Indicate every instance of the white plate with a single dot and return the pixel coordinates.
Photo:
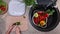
(16, 8)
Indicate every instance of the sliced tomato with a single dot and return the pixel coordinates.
(41, 18)
(46, 15)
(36, 20)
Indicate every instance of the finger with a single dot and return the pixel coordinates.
(10, 29)
(17, 30)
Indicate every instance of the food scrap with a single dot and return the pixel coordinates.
(24, 16)
(17, 23)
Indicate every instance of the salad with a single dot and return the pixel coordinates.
(40, 18)
(3, 7)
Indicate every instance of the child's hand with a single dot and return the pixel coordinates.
(18, 31)
(10, 29)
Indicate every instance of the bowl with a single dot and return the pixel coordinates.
(3, 7)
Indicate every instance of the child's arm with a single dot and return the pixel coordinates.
(18, 31)
(10, 29)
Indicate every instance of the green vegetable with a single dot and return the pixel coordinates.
(29, 2)
(0, 0)
(34, 5)
(50, 12)
(1, 11)
(2, 3)
(17, 23)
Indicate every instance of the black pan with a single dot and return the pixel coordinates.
(53, 20)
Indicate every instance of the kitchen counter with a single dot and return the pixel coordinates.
(29, 28)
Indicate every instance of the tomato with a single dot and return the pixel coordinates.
(46, 15)
(3, 8)
(40, 13)
(36, 20)
(41, 17)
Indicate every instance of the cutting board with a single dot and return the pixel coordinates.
(12, 19)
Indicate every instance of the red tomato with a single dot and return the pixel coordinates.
(40, 13)
(36, 20)
(46, 15)
(42, 18)
(3, 8)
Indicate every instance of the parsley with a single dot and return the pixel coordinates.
(29, 2)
